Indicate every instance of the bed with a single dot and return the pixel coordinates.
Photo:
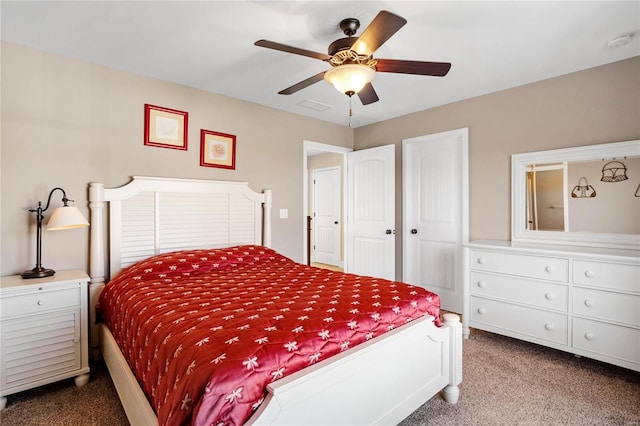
(370, 378)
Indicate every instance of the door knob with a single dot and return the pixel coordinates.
(388, 232)
(335, 223)
(414, 231)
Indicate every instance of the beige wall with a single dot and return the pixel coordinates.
(594, 106)
(67, 123)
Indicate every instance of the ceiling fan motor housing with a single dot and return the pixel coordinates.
(344, 43)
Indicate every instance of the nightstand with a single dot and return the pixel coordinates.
(43, 331)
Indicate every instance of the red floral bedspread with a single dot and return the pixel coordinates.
(206, 330)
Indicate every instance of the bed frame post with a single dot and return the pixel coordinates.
(266, 238)
(96, 261)
(451, 392)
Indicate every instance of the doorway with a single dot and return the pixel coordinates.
(547, 198)
(317, 156)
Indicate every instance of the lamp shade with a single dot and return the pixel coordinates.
(66, 217)
(349, 78)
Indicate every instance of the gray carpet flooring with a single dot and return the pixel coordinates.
(505, 382)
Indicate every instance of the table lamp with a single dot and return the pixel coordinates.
(65, 217)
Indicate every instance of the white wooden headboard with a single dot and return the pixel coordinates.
(152, 215)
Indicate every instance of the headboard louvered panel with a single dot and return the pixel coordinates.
(193, 220)
(137, 228)
(242, 215)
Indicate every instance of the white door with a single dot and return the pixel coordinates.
(435, 175)
(327, 206)
(370, 245)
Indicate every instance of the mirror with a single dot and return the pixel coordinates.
(588, 196)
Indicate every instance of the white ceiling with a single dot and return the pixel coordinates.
(209, 45)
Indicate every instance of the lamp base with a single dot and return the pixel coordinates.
(37, 273)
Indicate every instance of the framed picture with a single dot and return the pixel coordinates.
(164, 127)
(217, 149)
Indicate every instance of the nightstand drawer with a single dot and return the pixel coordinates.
(40, 301)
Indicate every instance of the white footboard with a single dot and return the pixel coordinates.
(381, 383)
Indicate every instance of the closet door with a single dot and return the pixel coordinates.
(435, 210)
(371, 212)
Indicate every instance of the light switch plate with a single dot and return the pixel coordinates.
(284, 213)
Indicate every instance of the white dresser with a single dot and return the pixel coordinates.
(43, 331)
(577, 299)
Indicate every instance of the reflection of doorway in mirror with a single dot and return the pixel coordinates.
(547, 198)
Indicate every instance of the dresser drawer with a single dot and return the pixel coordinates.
(550, 326)
(613, 276)
(537, 293)
(606, 305)
(40, 301)
(619, 342)
(539, 267)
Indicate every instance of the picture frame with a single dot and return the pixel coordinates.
(165, 127)
(217, 149)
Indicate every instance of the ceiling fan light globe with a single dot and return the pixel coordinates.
(349, 77)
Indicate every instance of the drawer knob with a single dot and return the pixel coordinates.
(589, 303)
(589, 336)
(589, 273)
(482, 284)
(482, 311)
(482, 260)
(550, 268)
(549, 296)
(40, 302)
(549, 326)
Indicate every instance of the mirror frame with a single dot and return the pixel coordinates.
(519, 163)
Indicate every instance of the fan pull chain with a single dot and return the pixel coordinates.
(350, 94)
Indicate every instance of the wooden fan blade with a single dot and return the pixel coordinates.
(304, 83)
(289, 49)
(383, 26)
(437, 69)
(368, 95)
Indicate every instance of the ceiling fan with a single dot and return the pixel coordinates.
(352, 62)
